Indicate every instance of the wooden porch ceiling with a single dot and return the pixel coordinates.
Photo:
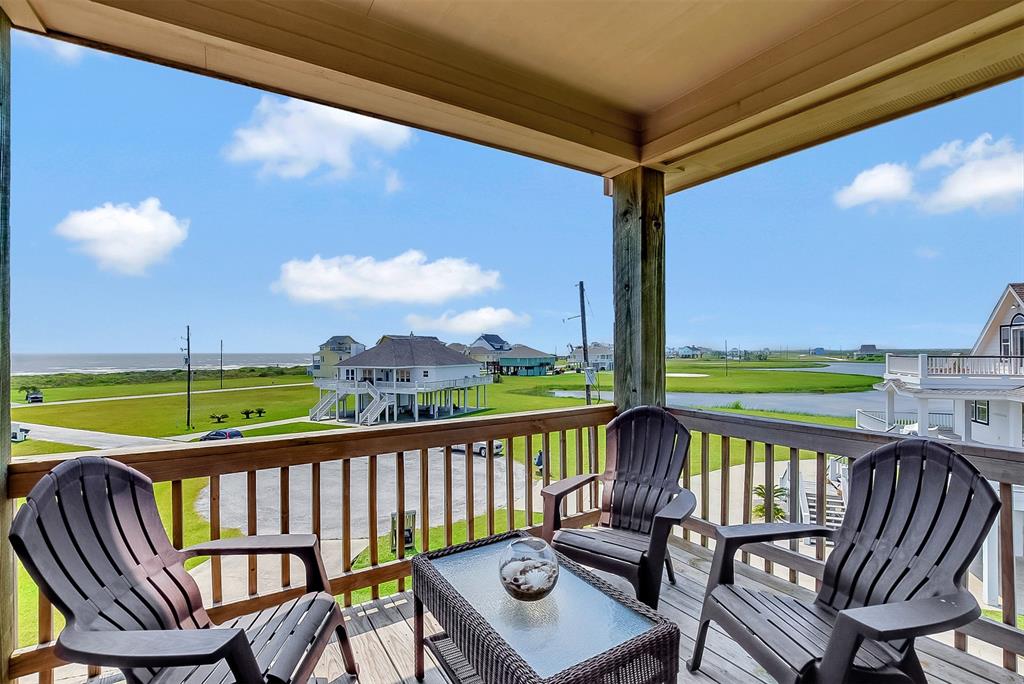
(695, 88)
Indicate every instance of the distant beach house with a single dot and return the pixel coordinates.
(689, 352)
(403, 375)
(523, 360)
(818, 351)
(986, 389)
(491, 341)
(866, 350)
(487, 349)
(332, 352)
(601, 357)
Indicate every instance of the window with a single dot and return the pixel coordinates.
(350, 373)
(979, 412)
(1004, 340)
(403, 375)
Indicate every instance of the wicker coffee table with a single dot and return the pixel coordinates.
(585, 632)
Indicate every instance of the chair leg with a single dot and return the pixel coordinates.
(911, 666)
(346, 650)
(693, 664)
(669, 569)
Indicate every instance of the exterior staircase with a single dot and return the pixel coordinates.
(325, 408)
(378, 403)
(835, 509)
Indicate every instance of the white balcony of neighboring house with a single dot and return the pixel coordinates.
(928, 371)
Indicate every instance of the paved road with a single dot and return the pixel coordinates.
(234, 506)
(243, 426)
(89, 438)
(164, 394)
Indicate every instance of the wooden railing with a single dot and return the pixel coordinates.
(743, 440)
(457, 495)
(430, 467)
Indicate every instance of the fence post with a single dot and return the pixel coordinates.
(8, 615)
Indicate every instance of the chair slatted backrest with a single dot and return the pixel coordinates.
(916, 516)
(644, 457)
(90, 536)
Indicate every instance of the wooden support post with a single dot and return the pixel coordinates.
(638, 265)
(8, 609)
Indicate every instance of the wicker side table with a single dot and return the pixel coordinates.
(585, 632)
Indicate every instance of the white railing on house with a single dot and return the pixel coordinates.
(351, 386)
(875, 420)
(955, 366)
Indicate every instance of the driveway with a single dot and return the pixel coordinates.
(89, 438)
(233, 494)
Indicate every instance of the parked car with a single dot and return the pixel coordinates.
(480, 448)
(216, 435)
(34, 397)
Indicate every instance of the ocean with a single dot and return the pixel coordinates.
(40, 364)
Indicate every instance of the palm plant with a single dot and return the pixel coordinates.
(779, 494)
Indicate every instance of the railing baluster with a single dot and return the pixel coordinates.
(705, 483)
(424, 499)
(371, 510)
(794, 503)
(579, 468)
(545, 441)
(45, 632)
(449, 495)
(769, 493)
(284, 478)
(820, 508)
(510, 485)
(563, 464)
(593, 447)
(400, 505)
(251, 528)
(748, 488)
(346, 522)
(314, 487)
(489, 452)
(177, 507)
(528, 495)
(687, 475)
(725, 447)
(216, 576)
(1006, 567)
(470, 496)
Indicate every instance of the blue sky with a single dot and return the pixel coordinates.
(146, 198)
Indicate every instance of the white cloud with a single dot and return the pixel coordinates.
(469, 322)
(69, 53)
(392, 182)
(124, 238)
(294, 138)
(988, 177)
(954, 153)
(927, 253)
(408, 278)
(882, 183)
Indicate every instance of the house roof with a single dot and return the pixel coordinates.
(459, 347)
(521, 351)
(1018, 289)
(404, 351)
(339, 339)
(715, 86)
(494, 341)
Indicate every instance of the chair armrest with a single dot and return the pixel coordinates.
(892, 621)
(553, 495)
(306, 547)
(675, 512)
(729, 538)
(161, 648)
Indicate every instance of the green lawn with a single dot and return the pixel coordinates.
(165, 416)
(131, 389)
(37, 447)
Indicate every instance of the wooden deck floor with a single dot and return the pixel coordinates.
(382, 637)
(382, 634)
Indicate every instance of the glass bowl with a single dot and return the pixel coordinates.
(528, 569)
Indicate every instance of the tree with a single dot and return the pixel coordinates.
(218, 417)
(778, 494)
(248, 413)
(260, 412)
(28, 389)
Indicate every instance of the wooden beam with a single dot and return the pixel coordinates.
(8, 608)
(638, 266)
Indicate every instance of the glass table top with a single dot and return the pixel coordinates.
(573, 623)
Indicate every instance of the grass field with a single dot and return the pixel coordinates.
(38, 447)
(165, 416)
(100, 391)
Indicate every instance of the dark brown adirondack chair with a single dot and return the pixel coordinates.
(641, 500)
(917, 515)
(90, 536)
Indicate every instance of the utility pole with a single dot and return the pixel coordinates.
(188, 376)
(586, 349)
(726, 357)
(222, 364)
